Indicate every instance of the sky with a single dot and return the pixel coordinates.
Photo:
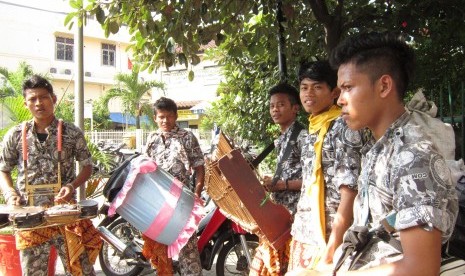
(52, 5)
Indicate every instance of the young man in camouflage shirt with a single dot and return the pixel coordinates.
(403, 178)
(177, 151)
(42, 167)
(403, 172)
(330, 168)
(285, 189)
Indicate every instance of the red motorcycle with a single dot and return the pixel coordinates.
(234, 246)
(218, 236)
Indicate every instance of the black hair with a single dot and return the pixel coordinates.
(36, 81)
(319, 70)
(377, 54)
(165, 104)
(285, 88)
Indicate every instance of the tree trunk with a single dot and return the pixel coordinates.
(137, 121)
(332, 22)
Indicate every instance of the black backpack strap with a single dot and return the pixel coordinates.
(262, 155)
(359, 238)
(287, 151)
(355, 240)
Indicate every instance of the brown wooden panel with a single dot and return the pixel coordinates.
(273, 219)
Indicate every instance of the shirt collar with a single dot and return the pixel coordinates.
(168, 133)
(53, 125)
(290, 128)
(393, 132)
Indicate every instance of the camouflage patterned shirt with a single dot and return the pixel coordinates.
(42, 161)
(404, 173)
(341, 165)
(177, 152)
(291, 168)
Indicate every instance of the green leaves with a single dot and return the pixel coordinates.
(75, 4)
(100, 15)
(131, 91)
(113, 27)
(166, 32)
(195, 59)
(190, 75)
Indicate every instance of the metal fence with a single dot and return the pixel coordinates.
(451, 109)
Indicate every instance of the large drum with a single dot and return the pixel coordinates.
(157, 204)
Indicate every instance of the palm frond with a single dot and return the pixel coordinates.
(18, 112)
(131, 90)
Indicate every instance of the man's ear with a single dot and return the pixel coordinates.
(54, 99)
(335, 93)
(296, 108)
(385, 86)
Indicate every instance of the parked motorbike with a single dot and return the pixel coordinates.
(218, 236)
(114, 153)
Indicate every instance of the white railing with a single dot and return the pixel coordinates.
(135, 139)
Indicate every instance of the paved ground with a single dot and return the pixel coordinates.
(60, 271)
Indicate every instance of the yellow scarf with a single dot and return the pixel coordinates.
(320, 124)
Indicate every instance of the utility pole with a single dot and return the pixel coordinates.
(281, 42)
(79, 88)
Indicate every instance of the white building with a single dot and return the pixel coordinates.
(34, 31)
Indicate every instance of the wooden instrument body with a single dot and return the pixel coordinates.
(273, 221)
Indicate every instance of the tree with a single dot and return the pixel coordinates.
(131, 90)
(101, 114)
(168, 32)
(12, 99)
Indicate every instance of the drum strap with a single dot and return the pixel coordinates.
(287, 151)
(25, 151)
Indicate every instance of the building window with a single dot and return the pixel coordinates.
(64, 48)
(108, 54)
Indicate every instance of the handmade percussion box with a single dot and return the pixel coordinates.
(235, 188)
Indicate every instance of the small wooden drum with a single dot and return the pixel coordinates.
(24, 216)
(62, 214)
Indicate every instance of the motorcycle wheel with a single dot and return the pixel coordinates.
(111, 261)
(231, 259)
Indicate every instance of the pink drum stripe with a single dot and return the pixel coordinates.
(165, 213)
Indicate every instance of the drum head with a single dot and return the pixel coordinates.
(9, 209)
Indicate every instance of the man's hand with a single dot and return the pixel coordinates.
(65, 195)
(268, 184)
(14, 200)
(200, 178)
(6, 185)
